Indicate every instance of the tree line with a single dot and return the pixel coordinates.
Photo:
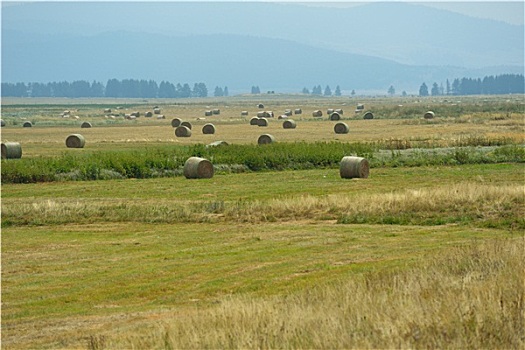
(489, 85)
(113, 88)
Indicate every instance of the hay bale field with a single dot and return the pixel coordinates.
(11, 150)
(368, 115)
(341, 128)
(262, 122)
(354, 167)
(175, 122)
(265, 139)
(182, 131)
(208, 129)
(289, 124)
(75, 141)
(186, 124)
(335, 116)
(198, 168)
(429, 115)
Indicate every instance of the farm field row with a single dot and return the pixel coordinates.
(422, 256)
(37, 141)
(86, 262)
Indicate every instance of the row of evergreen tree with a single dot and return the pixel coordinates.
(113, 88)
(489, 85)
(317, 90)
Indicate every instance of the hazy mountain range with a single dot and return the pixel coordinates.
(281, 47)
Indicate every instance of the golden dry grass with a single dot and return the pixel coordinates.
(48, 134)
(256, 260)
(468, 298)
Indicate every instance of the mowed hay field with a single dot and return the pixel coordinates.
(426, 256)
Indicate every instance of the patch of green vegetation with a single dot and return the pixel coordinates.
(168, 161)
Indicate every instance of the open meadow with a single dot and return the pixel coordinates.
(109, 246)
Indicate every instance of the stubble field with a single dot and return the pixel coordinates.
(427, 255)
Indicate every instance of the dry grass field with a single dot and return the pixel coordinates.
(411, 257)
(397, 120)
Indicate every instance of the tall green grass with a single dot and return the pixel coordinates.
(169, 160)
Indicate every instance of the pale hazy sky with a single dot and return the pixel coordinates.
(512, 12)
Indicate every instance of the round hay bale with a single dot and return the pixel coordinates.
(2, 123)
(217, 144)
(198, 168)
(208, 113)
(260, 105)
(429, 115)
(107, 110)
(182, 131)
(298, 111)
(175, 122)
(148, 114)
(368, 115)
(244, 113)
(341, 128)
(161, 116)
(335, 116)
(289, 124)
(360, 107)
(354, 167)
(216, 111)
(339, 110)
(11, 150)
(186, 124)
(27, 124)
(254, 121)
(136, 114)
(329, 111)
(66, 112)
(265, 139)
(262, 122)
(208, 129)
(75, 141)
(282, 116)
(317, 113)
(288, 112)
(156, 110)
(85, 125)
(262, 114)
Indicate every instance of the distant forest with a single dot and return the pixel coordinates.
(491, 85)
(131, 88)
(113, 88)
